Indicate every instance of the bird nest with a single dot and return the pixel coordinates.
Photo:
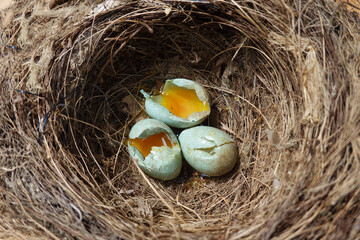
(283, 78)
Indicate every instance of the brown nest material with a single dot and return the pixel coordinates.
(284, 81)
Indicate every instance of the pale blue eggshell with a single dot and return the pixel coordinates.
(208, 150)
(163, 163)
(159, 112)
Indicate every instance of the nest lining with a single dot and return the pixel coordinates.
(110, 94)
(268, 92)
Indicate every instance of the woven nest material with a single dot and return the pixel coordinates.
(284, 80)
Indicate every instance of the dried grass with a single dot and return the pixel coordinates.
(283, 78)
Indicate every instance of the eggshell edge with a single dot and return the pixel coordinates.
(148, 127)
(191, 145)
(161, 113)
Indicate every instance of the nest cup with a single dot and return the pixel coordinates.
(131, 48)
(268, 92)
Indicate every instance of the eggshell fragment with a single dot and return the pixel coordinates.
(161, 113)
(208, 150)
(163, 162)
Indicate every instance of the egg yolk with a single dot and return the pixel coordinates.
(181, 102)
(144, 145)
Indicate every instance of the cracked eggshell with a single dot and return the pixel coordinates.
(161, 113)
(208, 150)
(163, 162)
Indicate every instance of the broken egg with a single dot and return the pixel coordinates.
(208, 150)
(155, 147)
(182, 103)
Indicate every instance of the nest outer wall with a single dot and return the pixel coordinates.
(283, 78)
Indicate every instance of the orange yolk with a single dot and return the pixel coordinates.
(144, 145)
(180, 101)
